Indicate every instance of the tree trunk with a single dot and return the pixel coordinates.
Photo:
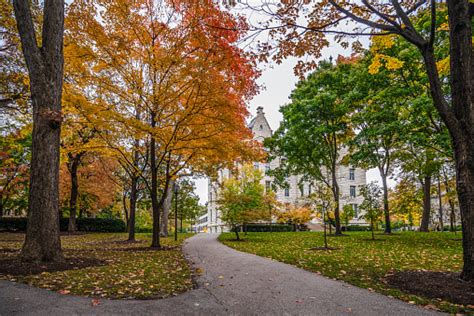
(462, 80)
(1, 206)
(133, 207)
(425, 219)
(45, 69)
(335, 190)
(440, 201)
(167, 208)
(386, 211)
(73, 165)
(155, 243)
(134, 185)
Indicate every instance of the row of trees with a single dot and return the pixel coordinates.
(301, 29)
(125, 98)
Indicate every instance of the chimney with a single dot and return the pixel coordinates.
(260, 110)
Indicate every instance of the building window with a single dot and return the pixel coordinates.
(352, 192)
(301, 186)
(351, 174)
(268, 186)
(287, 191)
(355, 207)
(261, 127)
(309, 189)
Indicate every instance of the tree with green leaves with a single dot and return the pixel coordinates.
(243, 199)
(372, 212)
(314, 129)
(377, 119)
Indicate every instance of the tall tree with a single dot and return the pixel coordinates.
(314, 129)
(44, 61)
(378, 122)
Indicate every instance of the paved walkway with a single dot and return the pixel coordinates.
(232, 282)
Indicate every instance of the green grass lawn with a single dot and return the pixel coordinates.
(361, 261)
(127, 270)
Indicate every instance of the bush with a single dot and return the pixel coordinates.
(447, 228)
(13, 224)
(104, 225)
(268, 228)
(356, 228)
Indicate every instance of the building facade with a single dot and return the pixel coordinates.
(349, 179)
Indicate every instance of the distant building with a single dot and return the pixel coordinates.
(349, 178)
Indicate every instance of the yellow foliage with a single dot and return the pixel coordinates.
(443, 66)
(295, 215)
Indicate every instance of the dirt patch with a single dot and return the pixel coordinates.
(444, 285)
(14, 266)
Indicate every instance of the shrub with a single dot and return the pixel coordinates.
(104, 225)
(357, 228)
(13, 224)
(268, 228)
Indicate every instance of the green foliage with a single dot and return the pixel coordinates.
(243, 199)
(370, 207)
(315, 125)
(361, 261)
(15, 155)
(347, 214)
(188, 202)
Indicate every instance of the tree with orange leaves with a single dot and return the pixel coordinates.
(164, 73)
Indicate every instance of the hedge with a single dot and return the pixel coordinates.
(356, 228)
(269, 228)
(104, 225)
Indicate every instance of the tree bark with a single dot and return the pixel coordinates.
(73, 165)
(155, 243)
(462, 92)
(386, 211)
(335, 190)
(166, 209)
(45, 69)
(440, 201)
(425, 219)
(133, 207)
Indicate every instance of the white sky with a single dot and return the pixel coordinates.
(279, 81)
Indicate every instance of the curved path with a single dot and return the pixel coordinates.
(231, 282)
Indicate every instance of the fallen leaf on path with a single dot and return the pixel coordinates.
(95, 302)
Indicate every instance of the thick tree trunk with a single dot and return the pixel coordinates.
(45, 68)
(462, 91)
(425, 219)
(386, 211)
(166, 209)
(73, 165)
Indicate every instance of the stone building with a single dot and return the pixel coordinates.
(349, 179)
